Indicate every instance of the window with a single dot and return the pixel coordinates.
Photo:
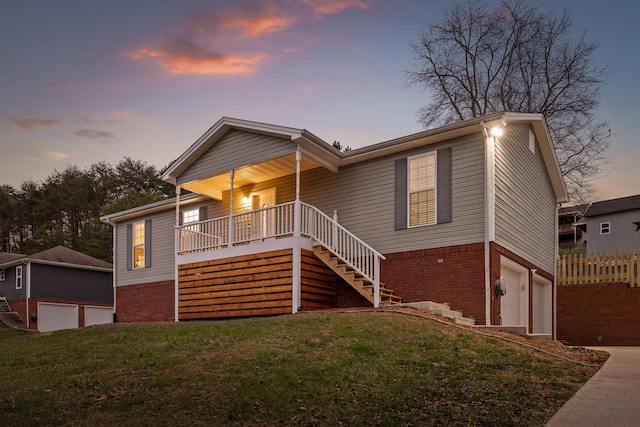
(138, 245)
(191, 216)
(605, 227)
(19, 277)
(422, 189)
(2, 275)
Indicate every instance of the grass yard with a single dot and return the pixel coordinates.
(351, 369)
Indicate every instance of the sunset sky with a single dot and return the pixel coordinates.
(83, 81)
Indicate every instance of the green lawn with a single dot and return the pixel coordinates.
(334, 369)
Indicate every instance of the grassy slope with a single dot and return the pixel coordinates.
(308, 369)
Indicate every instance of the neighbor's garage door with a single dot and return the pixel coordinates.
(53, 317)
(97, 315)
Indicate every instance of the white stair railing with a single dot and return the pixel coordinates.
(343, 244)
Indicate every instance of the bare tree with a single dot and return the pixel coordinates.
(516, 58)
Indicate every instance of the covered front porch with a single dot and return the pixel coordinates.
(264, 255)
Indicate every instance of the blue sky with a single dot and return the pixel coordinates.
(86, 81)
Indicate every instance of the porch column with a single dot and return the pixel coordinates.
(296, 207)
(230, 238)
(296, 273)
(176, 283)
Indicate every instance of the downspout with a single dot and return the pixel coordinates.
(176, 245)
(489, 220)
(27, 283)
(114, 271)
(554, 308)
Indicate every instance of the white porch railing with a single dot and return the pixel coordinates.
(280, 221)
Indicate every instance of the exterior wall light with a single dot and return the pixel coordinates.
(496, 131)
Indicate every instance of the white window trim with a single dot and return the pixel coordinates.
(19, 277)
(435, 189)
(133, 245)
(606, 225)
(2, 275)
(190, 214)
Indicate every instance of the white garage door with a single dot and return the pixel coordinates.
(541, 305)
(513, 305)
(53, 317)
(97, 315)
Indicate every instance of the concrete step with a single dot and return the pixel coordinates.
(441, 309)
(12, 320)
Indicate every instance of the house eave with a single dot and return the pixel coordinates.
(151, 208)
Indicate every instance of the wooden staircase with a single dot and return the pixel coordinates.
(8, 317)
(361, 284)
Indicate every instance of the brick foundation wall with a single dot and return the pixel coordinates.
(453, 274)
(347, 297)
(599, 314)
(147, 302)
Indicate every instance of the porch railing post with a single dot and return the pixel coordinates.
(297, 216)
(376, 282)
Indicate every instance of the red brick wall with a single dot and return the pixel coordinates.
(147, 302)
(349, 297)
(453, 274)
(600, 314)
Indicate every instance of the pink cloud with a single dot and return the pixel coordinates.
(330, 7)
(29, 124)
(96, 136)
(181, 56)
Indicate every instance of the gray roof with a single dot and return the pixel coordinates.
(613, 206)
(8, 257)
(58, 254)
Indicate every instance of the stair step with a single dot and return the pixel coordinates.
(441, 309)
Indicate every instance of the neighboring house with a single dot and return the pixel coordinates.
(614, 225)
(58, 288)
(278, 221)
(572, 227)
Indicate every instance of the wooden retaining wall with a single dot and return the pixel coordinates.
(248, 285)
(319, 283)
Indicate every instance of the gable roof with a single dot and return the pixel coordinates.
(58, 255)
(332, 158)
(613, 206)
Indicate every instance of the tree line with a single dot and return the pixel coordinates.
(65, 208)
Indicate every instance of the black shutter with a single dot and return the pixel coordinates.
(401, 194)
(129, 246)
(147, 243)
(202, 215)
(444, 185)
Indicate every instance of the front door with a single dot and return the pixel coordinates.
(264, 217)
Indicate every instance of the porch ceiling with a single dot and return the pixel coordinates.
(214, 186)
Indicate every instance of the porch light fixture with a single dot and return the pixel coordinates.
(246, 201)
(497, 131)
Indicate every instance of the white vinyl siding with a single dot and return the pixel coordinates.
(525, 202)
(422, 189)
(235, 149)
(161, 242)
(364, 196)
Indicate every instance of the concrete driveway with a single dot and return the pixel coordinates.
(610, 398)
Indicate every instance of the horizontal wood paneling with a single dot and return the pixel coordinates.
(319, 283)
(250, 285)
